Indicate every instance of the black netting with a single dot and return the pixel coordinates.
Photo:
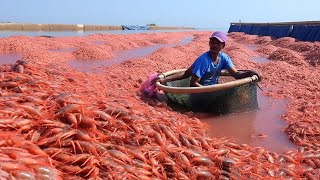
(238, 99)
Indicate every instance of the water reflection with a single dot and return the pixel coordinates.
(71, 49)
(9, 58)
(262, 127)
(98, 42)
(96, 66)
(259, 59)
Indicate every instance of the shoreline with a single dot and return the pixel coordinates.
(74, 27)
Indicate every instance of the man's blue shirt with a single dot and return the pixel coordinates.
(207, 70)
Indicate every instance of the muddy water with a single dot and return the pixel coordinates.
(262, 127)
(71, 49)
(9, 58)
(95, 66)
(98, 42)
(259, 59)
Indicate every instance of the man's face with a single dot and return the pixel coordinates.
(215, 45)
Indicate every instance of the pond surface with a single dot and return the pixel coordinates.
(262, 127)
(9, 58)
(96, 66)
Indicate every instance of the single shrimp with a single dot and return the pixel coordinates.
(103, 115)
(119, 155)
(158, 139)
(170, 134)
(31, 110)
(184, 140)
(87, 146)
(73, 120)
(70, 108)
(201, 161)
(21, 174)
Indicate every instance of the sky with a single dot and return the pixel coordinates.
(189, 13)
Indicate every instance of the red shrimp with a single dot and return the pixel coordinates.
(69, 168)
(31, 110)
(287, 172)
(316, 162)
(119, 155)
(34, 149)
(182, 176)
(20, 174)
(93, 172)
(141, 164)
(289, 159)
(204, 143)
(103, 115)
(70, 108)
(269, 157)
(193, 141)
(82, 158)
(218, 152)
(83, 136)
(201, 161)
(86, 120)
(158, 139)
(184, 140)
(170, 134)
(191, 153)
(73, 120)
(33, 160)
(310, 163)
(11, 165)
(203, 174)
(35, 136)
(183, 161)
(135, 152)
(9, 84)
(87, 146)
(63, 157)
(310, 176)
(4, 174)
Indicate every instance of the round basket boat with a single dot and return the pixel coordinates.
(231, 96)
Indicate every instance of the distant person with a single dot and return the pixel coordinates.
(206, 69)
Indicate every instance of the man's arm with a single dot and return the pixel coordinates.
(194, 82)
(242, 73)
(177, 76)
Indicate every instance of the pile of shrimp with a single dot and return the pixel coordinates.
(57, 123)
(69, 136)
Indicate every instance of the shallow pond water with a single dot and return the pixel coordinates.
(9, 58)
(262, 127)
(96, 66)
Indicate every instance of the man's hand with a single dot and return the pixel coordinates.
(255, 73)
(244, 73)
(158, 79)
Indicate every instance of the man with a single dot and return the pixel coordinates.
(207, 67)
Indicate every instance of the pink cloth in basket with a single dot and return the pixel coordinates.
(147, 87)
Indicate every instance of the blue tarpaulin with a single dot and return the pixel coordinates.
(279, 31)
(245, 28)
(263, 31)
(234, 28)
(134, 27)
(313, 34)
(255, 29)
(301, 32)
